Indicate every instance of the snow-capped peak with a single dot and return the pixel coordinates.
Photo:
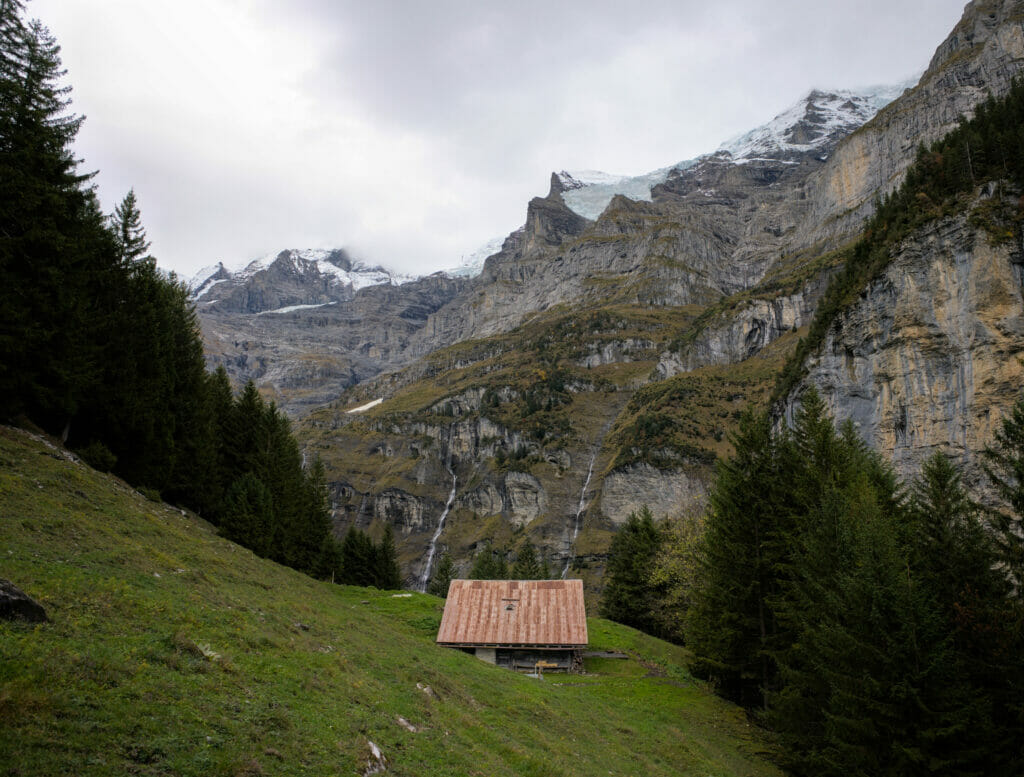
(819, 119)
(333, 264)
(206, 278)
(816, 121)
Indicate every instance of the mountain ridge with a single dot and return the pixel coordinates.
(631, 341)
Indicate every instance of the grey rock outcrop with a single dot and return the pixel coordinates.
(664, 492)
(930, 357)
(742, 332)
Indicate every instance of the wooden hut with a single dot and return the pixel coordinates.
(521, 624)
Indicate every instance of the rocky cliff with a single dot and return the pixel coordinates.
(981, 56)
(305, 325)
(601, 358)
(930, 357)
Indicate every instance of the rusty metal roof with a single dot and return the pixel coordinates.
(514, 612)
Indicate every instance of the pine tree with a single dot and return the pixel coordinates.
(956, 561)
(526, 566)
(219, 408)
(387, 574)
(1004, 465)
(317, 535)
(357, 558)
(489, 564)
(56, 273)
(249, 514)
(328, 564)
(443, 576)
(628, 596)
(733, 626)
(129, 235)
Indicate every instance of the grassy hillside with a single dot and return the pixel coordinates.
(172, 651)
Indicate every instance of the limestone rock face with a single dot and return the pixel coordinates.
(524, 498)
(664, 492)
(980, 56)
(930, 357)
(402, 510)
(745, 331)
(549, 222)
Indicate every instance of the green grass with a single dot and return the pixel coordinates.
(690, 417)
(173, 652)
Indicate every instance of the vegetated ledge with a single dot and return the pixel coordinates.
(173, 651)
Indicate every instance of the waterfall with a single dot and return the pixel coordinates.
(579, 513)
(425, 579)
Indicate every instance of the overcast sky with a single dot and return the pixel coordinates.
(413, 132)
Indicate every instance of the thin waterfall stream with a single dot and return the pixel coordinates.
(579, 513)
(425, 579)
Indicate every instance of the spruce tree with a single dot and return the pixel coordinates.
(489, 564)
(357, 558)
(56, 272)
(443, 576)
(1004, 465)
(129, 234)
(733, 627)
(218, 406)
(956, 561)
(328, 563)
(526, 566)
(627, 596)
(249, 514)
(316, 537)
(387, 574)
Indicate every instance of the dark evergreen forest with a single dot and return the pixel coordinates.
(102, 349)
(876, 627)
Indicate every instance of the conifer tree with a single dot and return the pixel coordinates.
(249, 514)
(1004, 465)
(733, 626)
(526, 566)
(219, 408)
(443, 576)
(489, 564)
(129, 234)
(316, 538)
(55, 268)
(357, 558)
(955, 560)
(328, 564)
(628, 596)
(387, 574)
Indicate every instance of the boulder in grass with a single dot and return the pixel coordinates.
(16, 605)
